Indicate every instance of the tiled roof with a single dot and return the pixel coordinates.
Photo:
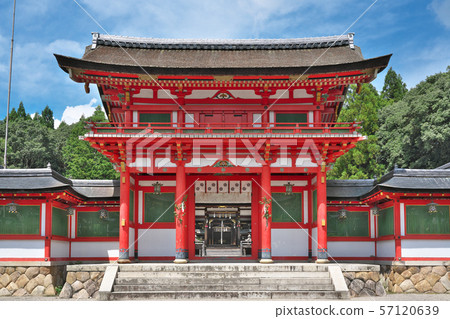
(348, 189)
(222, 44)
(223, 57)
(48, 180)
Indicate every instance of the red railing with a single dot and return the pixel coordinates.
(224, 128)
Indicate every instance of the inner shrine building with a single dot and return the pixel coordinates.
(223, 148)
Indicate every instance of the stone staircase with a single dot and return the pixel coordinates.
(226, 281)
(223, 252)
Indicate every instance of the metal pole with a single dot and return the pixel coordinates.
(9, 86)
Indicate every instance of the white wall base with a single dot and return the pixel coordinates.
(156, 242)
(314, 241)
(386, 248)
(59, 249)
(105, 249)
(351, 249)
(22, 248)
(421, 248)
(290, 242)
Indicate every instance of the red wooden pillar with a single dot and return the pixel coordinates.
(48, 229)
(124, 228)
(317, 117)
(397, 230)
(181, 252)
(181, 117)
(266, 222)
(322, 254)
(265, 119)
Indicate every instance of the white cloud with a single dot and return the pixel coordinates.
(442, 10)
(56, 123)
(212, 19)
(65, 47)
(72, 114)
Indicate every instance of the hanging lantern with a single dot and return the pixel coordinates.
(12, 208)
(342, 214)
(432, 208)
(70, 211)
(375, 210)
(288, 188)
(103, 214)
(157, 188)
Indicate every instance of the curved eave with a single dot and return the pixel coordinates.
(378, 63)
(400, 190)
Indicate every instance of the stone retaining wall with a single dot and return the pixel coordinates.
(38, 281)
(365, 283)
(82, 284)
(417, 279)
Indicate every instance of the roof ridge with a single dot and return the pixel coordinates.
(222, 44)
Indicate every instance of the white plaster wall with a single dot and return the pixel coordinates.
(156, 242)
(314, 241)
(351, 248)
(22, 248)
(386, 248)
(289, 242)
(304, 162)
(95, 249)
(425, 248)
(59, 249)
(305, 207)
(282, 162)
(131, 243)
(140, 207)
(43, 209)
(402, 219)
(73, 226)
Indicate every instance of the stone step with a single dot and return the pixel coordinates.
(221, 281)
(223, 252)
(228, 295)
(218, 275)
(232, 267)
(223, 287)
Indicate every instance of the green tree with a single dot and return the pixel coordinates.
(47, 118)
(394, 88)
(21, 114)
(82, 161)
(58, 140)
(13, 115)
(415, 131)
(361, 161)
(28, 145)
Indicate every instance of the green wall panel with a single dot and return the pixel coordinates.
(131, 207)
(419, 221)
(25, 222)
(155, 118)
(59, 222)
(159, 208)
(284, 205)
(291, 118)
(90, 225)
(355, 225)
(386, 222)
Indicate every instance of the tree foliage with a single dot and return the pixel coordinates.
(47, 118)
(394, 89)
(33, 142)
(361, 161)
(83, 161)
(415, 131)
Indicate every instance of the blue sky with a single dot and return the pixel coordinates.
(416, 32)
